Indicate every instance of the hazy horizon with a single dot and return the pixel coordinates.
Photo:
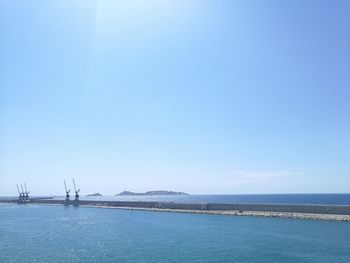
(202, 97)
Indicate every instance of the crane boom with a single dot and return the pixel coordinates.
(65, 186)
(75, 189)
(19, 192)
(76, 200)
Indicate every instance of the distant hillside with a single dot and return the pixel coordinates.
(128, 193)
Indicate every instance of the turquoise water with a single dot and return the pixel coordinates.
(34, 233)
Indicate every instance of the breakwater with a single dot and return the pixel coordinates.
(340, 212)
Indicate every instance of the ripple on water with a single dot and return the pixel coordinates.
(55, 234)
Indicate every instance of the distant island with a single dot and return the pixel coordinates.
(95, 194)
(149, 193)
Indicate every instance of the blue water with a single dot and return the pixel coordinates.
(336, 199)
(34, 233)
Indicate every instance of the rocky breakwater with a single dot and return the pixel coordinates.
(315, 212)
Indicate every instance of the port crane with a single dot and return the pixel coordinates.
(76, 200)
(67, 200)
(20, 197)
(26, 192)
(23, 193)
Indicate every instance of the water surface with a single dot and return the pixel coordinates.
(39, 233)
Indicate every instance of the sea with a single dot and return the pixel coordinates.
(54, 233)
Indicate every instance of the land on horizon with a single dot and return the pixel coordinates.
(150, 193)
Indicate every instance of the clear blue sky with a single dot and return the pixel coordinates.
(196, 96)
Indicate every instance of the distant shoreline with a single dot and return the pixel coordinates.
(314, 212)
